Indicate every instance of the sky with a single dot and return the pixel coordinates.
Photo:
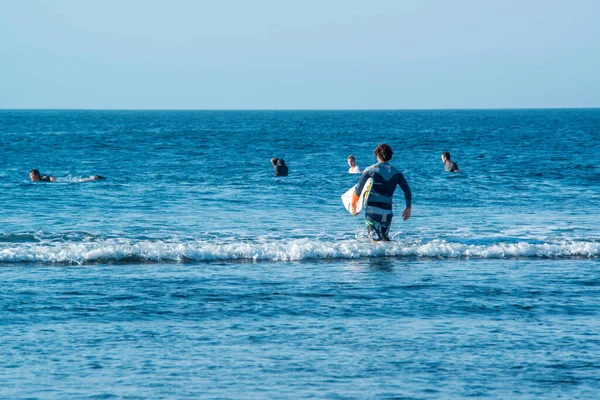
(305, 54)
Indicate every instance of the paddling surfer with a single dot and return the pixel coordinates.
(35, 176)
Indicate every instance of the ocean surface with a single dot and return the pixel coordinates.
(193, 272)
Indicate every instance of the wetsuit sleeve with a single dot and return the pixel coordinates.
(406, 189)
(359, 187)
(361, 183)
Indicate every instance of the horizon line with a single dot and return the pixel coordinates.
(303, 109)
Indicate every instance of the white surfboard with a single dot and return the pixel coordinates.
(362, 199)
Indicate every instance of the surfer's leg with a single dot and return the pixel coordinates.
(384, 234)
(386, 222)
(378, 223)
(374, 229)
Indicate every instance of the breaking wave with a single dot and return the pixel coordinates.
(131, 251)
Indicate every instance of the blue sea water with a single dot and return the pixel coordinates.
(193, 272)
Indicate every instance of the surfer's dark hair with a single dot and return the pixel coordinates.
(351, 157)
(35, 172)
(384, 151)
(446, 155)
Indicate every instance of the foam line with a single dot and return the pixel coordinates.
(290, 250)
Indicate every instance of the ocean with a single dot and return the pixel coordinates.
(193, 272)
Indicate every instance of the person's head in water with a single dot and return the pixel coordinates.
(34, 175)
(449, 165)
(383, 152)
(279, 165)
(351, 161)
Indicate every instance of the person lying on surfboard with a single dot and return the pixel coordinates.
(379, 211)
(35, 176)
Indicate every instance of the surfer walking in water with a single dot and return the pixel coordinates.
(385, 177)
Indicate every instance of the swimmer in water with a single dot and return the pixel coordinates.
(354, 169)
(279, 165)
(35, 176)
(449, 165)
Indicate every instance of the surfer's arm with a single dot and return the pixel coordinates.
(361, 183)
(407, 196)
(406, 189)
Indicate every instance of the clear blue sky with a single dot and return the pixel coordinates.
(304, 54)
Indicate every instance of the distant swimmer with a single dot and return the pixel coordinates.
(279, 165)
(35, 176)
(94, 178)
(449, 165)
(352, 164)
(379, 212)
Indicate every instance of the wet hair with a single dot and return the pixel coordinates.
(351, 157)
(35, 172)
(280, 162)
(446, 155)
(384, 152)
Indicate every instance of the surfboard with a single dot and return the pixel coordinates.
(362, 199)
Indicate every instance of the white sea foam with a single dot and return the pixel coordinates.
(72, 179)
(269, 250)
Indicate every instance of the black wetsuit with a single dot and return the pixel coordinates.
(280, 168)
(379, 204)
(450, 166)
(45, 178)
